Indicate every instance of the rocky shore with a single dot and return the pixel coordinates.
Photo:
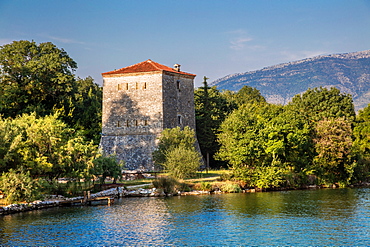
(117, 192)
(58, 200)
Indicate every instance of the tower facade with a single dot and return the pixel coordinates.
(139, 101)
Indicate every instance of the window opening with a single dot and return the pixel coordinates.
(127, 123)
(178, 85)
(118, 87)
(144, 86)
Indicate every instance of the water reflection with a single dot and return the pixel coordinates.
(319, 217)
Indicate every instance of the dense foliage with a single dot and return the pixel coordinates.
(309, 141)
(176, 153)
(39, 78)
(34, 148)
(211, 109)
(50, 121)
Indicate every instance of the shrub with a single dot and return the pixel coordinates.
(231, 188)
(167, 184)
(184, 187)
(19, 186)
(206, 186)
(182, 162)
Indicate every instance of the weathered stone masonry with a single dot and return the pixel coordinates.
(140, 101)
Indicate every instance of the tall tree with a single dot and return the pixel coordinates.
(211, 108)
(361, 145)
(40, 78)
(35, 78)
(262, 141)
(333, 143)
(248, 95)
(319, 103)
(86, 109)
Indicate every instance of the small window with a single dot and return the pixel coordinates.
(126, 86)
(136, 123)
(118, 124)
(119, 87)
(127, 123)
(137, 85)
(144, 86)
(146, 122)
(178, 85)
(179, 120)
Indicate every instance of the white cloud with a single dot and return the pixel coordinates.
(239, 43)
(64, 40)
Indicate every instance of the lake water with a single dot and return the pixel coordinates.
(312, 217)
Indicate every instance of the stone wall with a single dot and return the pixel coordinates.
(178, 101)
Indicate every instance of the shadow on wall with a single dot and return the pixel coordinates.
(130, 134)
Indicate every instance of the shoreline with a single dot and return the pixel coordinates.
(120, 192)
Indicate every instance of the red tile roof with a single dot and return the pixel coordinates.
(145, 66)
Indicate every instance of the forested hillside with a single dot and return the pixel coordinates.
(349, 72)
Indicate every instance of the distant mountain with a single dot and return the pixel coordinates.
(349, 72)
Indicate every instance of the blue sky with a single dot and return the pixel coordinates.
(208, 38)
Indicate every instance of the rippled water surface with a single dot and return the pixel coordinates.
(315, 217)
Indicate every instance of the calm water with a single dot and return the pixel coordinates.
(316, 217)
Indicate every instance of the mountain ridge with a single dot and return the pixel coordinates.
(349, 72)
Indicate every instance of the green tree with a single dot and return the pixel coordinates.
(262, 142)
(40, 78)
(173, 138)
(35, 78)
(173, 142)
(211, 108)
(242, 137)
(19, 186)
(248, 95)
(45, 146)
(361, 145)
(182, 162)
(333, 146)
(325, 108)
(86, 109)
(106, 166)
(319, 103)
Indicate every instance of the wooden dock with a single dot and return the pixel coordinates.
(88, 201)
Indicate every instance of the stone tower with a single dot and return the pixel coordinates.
(139, 101)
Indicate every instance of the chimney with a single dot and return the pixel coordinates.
(177, 67)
